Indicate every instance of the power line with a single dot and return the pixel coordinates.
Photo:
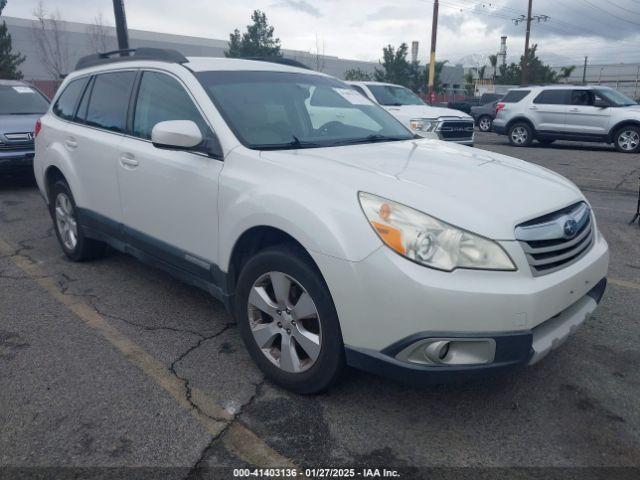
(609, 13)
(623, 8)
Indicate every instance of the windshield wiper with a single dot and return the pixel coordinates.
(295, 143)
(373, 138)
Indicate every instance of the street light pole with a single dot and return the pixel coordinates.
(432, 57)
(525, 63)
(121, 25)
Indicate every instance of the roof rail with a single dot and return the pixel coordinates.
(280, 60)
(144, 53)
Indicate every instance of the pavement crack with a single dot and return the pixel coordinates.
(626, 177)
(186, 382)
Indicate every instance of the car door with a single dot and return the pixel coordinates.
(169, 197)
(94, 139)
(548, 110)
(584, 117)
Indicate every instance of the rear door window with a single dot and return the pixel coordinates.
(582, 97)
(553, 97)
(109, 100)
(514, 96)
(66, 104)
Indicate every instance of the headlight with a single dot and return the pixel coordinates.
(423, 124)
(429, 241)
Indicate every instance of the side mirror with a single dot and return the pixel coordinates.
(600, 104)
(178, 134)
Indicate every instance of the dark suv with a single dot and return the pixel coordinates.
(20, 106)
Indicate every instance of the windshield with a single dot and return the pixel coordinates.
(21, 100)
(280, 110)
(389, 95)
(614, 97)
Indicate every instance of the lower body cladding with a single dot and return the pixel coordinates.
(11, 161)
(412, 323)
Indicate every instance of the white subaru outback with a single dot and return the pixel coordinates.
(332, 242)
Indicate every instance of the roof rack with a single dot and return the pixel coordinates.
(280, 60)
(144, 53)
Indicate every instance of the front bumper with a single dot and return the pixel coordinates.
(386, 299)
(16, 160)
(512, 349)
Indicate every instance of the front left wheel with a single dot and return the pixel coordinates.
(288, 321)
(627, 139)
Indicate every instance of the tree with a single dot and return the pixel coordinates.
(9, 61)
(100, 37)
(565, 72)
(357, 75)
(51, 41)
(538, 72)
(493, 61)
(257, 41)
(395, 67)
(481, 72)
(469, 80)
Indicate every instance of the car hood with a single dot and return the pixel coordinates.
(425, 111)
(480, 191)
(18, 123)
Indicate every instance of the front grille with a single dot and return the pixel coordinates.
(456, 130)
(557, 240)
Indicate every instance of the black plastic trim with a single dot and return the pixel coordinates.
(597, 292)
(132, 54)
(157, 253)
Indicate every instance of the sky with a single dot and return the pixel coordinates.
(607, 31)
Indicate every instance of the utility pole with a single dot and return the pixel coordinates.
(584, 71)
(432, 58)
(525, 63)
(528, 19)
(121, 25)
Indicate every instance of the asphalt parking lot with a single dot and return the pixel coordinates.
(115, 364)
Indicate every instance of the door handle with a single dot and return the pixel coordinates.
(533, 107)
(128, 161)
(71, 143)
(574, 109)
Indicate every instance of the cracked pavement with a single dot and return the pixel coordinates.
(71, 397)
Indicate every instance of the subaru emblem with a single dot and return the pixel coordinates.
(570, 228)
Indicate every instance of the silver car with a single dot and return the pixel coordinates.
(568, 112)
(20, 107)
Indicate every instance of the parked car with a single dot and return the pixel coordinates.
(424, 120)
(483, 115)
(332, 239)
(20, 106)
(468, 103)
(566, 112)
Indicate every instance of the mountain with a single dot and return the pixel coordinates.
(478, 59)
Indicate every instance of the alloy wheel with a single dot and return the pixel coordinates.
(629, 140)
(66, 221)
(484, 124)
(285, 322)
(519, 135)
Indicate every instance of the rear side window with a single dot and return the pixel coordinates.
(553, 97)
(162, 98)
(109, 100)
(66, 104)
(360, 90)
(514, 96)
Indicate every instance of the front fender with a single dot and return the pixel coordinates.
(323, 218)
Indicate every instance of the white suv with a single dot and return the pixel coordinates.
(422, 119)
(567, 112)
(332, 243)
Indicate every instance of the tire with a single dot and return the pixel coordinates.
(264, 322)
(520, 134)
(484, 123)
(627, 139)
(546, 141)
(75, 245)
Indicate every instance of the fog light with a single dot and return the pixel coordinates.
(450, 351)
